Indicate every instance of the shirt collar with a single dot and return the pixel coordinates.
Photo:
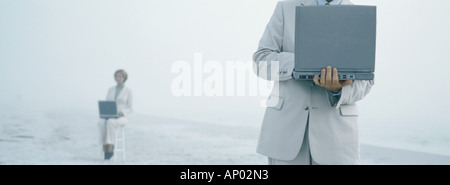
(334, 2)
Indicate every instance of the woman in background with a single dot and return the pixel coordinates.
(124, 99)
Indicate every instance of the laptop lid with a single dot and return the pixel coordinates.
(107, 108)
(341, 36)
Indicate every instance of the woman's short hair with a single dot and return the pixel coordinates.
(123, 73)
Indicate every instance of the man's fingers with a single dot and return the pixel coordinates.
(328, 79)
(316, 80)
(335, 76)
(346, 82)
(322, 76)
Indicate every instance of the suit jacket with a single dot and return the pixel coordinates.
(124, 99)
(333, 127)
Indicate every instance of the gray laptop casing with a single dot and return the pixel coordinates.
(108, 109)
(342, 36)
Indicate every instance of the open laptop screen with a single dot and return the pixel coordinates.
(107, 108)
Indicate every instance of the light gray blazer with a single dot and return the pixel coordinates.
(333, 131)
(124, 100)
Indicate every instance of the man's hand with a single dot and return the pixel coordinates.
(330, 80)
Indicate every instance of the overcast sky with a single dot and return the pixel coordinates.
(62, 54)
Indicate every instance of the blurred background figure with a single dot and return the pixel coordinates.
(123, 97)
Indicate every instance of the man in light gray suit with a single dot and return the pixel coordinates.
(310, 122)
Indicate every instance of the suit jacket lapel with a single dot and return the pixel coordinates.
(310, 2)
(111, 93)
(347, 2)
(314, 2)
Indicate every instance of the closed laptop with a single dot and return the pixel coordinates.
(341, 36)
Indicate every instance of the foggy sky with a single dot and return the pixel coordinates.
(62, 55)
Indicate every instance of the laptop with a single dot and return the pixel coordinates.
(108, 109)
(341, 36)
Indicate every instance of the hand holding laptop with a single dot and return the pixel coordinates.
(329, 79)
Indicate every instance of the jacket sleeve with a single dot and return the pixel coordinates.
(270, 62)
(355, 92)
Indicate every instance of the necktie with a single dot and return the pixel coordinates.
(328, 2)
